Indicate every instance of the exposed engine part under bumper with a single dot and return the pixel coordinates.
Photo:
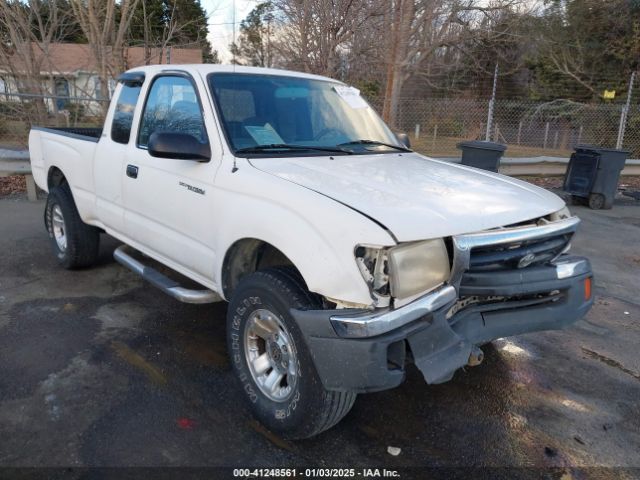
(538, 298)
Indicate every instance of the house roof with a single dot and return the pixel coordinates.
(71, 58)
(179, 56)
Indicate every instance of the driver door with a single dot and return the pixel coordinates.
(169, 210)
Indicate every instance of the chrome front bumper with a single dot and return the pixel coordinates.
(544, 297)
(381, 321)
(369, 323)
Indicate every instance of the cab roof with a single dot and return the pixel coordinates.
(203, 69)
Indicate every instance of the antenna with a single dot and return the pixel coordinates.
(233, 20)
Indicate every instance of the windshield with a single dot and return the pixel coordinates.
(268, 115)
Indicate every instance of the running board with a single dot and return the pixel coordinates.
(163, 282)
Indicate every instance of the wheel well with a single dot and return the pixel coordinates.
(55, 178)
(247, 256)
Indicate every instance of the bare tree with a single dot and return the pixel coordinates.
(105, 24)
(390, 40)
(29, 29)
(585, 47)
(158, 25)
(315, 33)
(421, 31)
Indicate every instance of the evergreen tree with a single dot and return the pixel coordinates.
(178, 23)
(585, 47)
(148, 24)
(254, 43)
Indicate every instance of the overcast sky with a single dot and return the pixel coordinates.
(221, 22)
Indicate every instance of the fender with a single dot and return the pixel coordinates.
(316, 233)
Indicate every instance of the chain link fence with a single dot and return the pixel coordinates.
(435, 125)
(20, 111)
(529, 129)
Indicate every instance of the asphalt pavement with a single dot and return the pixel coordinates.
(98, 368)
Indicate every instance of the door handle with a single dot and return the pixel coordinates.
(132, 171)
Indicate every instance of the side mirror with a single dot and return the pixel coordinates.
(180, 146)
(404, 139)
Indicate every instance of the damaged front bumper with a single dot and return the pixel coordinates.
(366, 351)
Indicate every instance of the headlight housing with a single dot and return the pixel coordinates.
(417, 267)
(560, 214)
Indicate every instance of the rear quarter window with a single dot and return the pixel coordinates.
(123, 115)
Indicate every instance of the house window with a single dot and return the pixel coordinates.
(62, 92)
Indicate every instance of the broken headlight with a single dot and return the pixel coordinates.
(417, 267)
(560, 214)
(404, 270)
(373, 265)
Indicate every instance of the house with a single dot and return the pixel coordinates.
(68, 72)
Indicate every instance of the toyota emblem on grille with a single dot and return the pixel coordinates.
(526, 260)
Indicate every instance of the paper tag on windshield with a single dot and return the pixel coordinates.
(264, 135)
(351, 95)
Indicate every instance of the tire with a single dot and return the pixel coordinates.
(301, 407)
(75, 244)
(596, 201)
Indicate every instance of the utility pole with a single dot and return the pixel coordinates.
(624, 113)
(487, 137)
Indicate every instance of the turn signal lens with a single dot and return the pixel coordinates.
(587, 288)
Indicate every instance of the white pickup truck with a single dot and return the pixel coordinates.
(344, 255)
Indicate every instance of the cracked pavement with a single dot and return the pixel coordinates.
(98, 368)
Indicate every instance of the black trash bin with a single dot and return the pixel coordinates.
(479, 154)
(593, 174)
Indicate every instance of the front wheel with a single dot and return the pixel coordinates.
(271, 359)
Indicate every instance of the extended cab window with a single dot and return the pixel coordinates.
(123, 115)
(172, 106)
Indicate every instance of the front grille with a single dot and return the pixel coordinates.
(498, 250)
(518, 254)
(511, 247)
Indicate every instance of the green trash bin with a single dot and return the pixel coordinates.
(484, 155)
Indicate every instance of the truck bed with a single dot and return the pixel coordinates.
(72, 151)
(81, 133)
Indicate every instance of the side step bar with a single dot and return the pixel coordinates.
(163, 282)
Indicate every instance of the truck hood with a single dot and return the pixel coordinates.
(416, 197)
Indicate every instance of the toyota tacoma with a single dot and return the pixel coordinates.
(344, 255)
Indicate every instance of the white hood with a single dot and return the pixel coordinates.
(417, 197)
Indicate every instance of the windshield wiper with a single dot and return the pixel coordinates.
(286, 146)
(373, 142)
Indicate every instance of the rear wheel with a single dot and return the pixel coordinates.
(271, 359)
(74, 243)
